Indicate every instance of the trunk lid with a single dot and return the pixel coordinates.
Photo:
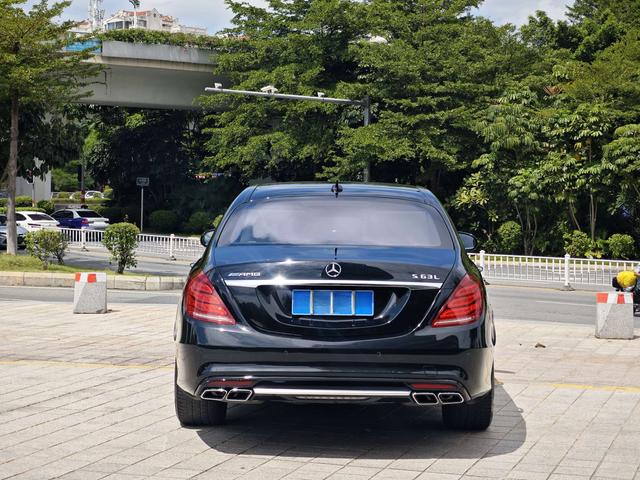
(260, 279)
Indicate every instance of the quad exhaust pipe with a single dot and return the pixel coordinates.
(233, 395)
(240, 395)
(450, 398)
(442, 398)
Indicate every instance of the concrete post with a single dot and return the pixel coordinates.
(83, 240)
(90, 293)
(172, 239)
(567, 284)
(615, 316)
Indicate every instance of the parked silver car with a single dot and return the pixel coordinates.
(3, 234)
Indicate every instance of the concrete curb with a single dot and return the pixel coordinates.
(114, 282)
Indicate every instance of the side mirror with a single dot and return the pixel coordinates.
(206, 237)
(469, 241)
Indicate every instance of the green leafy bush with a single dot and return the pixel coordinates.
(162, 38)
(164, 221)
(217, 221)
(23, 201)
(509, 237)
(577, 244)
(23, 209)
(114, 214)
(621, 246)
(108, 192)
(46, 205)
(121, 239)
(199, 222)
(45, 244)
(131, 214)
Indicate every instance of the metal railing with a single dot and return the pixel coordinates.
(167, 246)
(565, 270)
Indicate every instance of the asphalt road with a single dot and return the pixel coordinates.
(508, 301)
(65, 295)
(146, 265)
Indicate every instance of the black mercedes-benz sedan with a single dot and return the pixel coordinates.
(335, 293)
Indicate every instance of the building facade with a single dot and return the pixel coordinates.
(148, 20)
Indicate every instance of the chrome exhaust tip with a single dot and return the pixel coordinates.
(450, 398)
(213, 394)
(239, 395)
(424, 398)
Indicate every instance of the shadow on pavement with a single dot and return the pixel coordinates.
(373, 431)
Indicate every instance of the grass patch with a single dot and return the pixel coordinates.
(27, 263)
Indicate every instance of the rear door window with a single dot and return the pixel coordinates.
(89, 214)
(41, 217)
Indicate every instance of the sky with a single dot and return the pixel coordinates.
(213, 15)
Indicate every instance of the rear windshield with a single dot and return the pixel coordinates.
(89, 214)
(341, 221)
(40, 216)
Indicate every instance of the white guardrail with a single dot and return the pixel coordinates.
(565, 270)
(166, 246)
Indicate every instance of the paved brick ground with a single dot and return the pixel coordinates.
(89, 397)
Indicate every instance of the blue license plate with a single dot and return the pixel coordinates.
(332, 303)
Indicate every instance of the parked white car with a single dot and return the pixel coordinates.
(80, 218)
(32, 221)
(89, 194)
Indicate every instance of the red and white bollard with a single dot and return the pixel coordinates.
(614, 316)
(90, 293)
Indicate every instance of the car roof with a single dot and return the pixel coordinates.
(405, 192)
(31, 212)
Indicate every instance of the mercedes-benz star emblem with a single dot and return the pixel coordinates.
(333, 270)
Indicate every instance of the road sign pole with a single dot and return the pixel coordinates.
(141, 209)
(142, 182)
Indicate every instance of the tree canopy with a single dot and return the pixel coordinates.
(504, 124)
(38, 81)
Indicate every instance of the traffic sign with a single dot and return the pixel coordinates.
(142, 181)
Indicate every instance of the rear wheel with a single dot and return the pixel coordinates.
(193, 412)
(476, 415)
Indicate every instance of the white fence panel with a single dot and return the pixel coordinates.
(563, 270)
(165, 246)
(567, 271)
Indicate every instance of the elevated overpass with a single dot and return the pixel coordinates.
(150, 76)
(139, 75)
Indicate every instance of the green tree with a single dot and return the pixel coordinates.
(622, 167)
(301, 47)
(34, 71)
(510, 169)
(164, 145)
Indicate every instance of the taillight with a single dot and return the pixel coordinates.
(85, 221)
(202, 302)
(464, 306)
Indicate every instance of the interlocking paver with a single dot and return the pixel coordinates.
(90, 397)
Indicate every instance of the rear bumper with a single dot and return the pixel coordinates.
(199, 368)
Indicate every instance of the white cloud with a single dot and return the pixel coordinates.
(517, 11)
(214, 15)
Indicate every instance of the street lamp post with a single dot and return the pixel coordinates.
(271, 92)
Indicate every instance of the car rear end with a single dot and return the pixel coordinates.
(362, 297)
(38, 221)
(92, 220)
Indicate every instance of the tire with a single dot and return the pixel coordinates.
(476, 415)
(192, 412)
